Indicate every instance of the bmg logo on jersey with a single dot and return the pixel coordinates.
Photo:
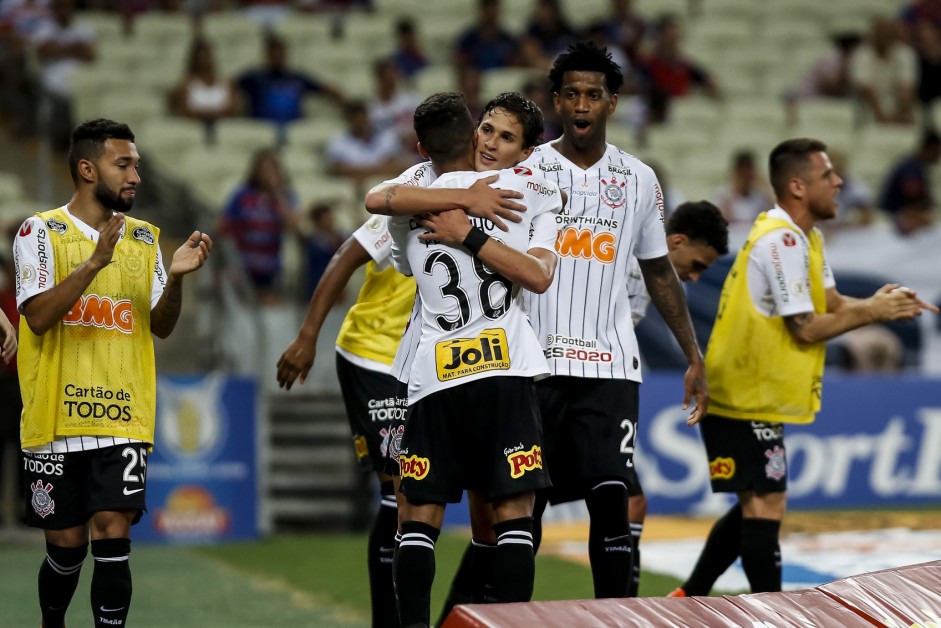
(97, 311)
(523, 461)
(414, 467)
(466, 356)
(586, 244)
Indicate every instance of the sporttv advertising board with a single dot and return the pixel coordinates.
(201, 475)
(876, 441)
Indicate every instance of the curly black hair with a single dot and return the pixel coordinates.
(585, 56)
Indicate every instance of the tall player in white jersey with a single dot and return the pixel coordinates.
(473, 420)
(589, 405)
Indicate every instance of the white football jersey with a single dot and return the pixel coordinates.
(614, 212)
(472, 325)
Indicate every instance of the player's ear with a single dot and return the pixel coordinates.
(676, 240)
(612, 104)
(422, 151)
(87, 170)
(555, 102)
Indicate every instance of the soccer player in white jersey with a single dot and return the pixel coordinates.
(614, 213)
(697, 235)
(473, 421)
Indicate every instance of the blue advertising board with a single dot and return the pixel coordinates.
(201, 476)
(876, 443)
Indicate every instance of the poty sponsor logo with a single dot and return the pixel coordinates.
(523, 461)
(585, 244)
(98, 311)
(414, 467)
(362, 449)
(721, 468)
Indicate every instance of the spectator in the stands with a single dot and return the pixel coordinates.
(670, 72)
(409, 56)
(625, 28)
(202, 94)
(829, 76)
(537, 91)
(922, 21)
(62, 46)
(487, 45)
(275, 92)
(548, 34)
(364, 150)
(393, 106)
(746, 194)
(885, 73)
(468, 85)
(256, 217)
(19, 20)
(321, 243)
(907, 193)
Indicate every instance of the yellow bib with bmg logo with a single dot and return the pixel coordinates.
(93, 374)
(374, 325)
(755, 369)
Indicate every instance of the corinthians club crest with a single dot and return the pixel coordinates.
(613, 193)
(42, 502)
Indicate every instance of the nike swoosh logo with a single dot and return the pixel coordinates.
(136, 490)
(110, 610)
(608, 539)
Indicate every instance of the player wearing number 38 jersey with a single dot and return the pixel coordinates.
(472, 325)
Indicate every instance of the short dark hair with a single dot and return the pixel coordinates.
(525, 110)
(88, 141)
(700, 221)
(791, 158)
(444, 126)
(585, 56)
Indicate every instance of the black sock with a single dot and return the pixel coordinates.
(414, 571)
(538, 511)
(483, 559)
(514, 562)
(111, 582)
(461, 591)
(718, 554)
(381, 548)
(636, 530)
(761, 554)
(58, 577)
(609, 540)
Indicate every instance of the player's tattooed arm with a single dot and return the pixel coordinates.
(667, 294)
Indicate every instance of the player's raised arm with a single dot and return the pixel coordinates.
(480, 200)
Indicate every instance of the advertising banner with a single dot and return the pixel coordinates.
(201, 476)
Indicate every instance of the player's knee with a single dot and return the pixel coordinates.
(112, 524)
(515, 506)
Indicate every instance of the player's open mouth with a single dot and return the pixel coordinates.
(581, 126)
(487, 159)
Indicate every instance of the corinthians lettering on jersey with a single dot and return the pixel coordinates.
(460, 357)
(565, 218)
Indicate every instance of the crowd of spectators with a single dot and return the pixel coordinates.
(892, 74)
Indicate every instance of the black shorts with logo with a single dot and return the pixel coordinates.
(485, 436)
(590, 429)
(373, 408)
(745, 455)
(65, 490)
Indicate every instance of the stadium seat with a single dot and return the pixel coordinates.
(107, 25)
(162, 138)
(494, 82)
(11, 187)
(206, 168)
(302, 161)
(132, 107)
(162, 31)
(889, 141)
(314, 133)
(245, 134)
(436, 78)
(304, 30)
(836, 115)
(232, 28)
(369, 30)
